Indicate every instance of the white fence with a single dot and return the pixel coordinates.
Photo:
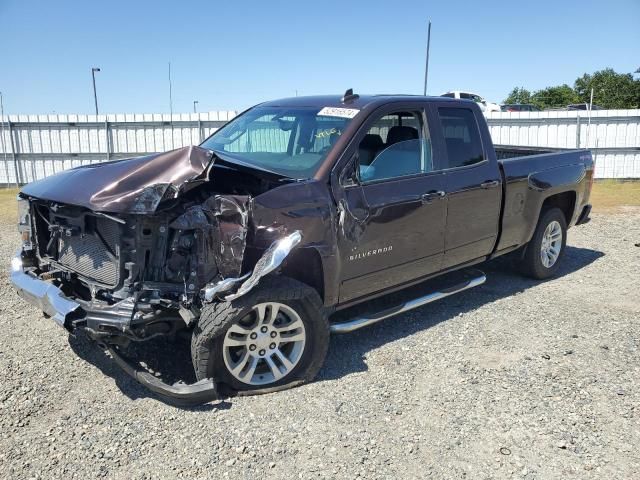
(36, 146)
(612, 135)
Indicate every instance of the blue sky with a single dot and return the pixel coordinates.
(230, 55)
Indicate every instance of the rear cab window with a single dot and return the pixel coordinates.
(461, 136)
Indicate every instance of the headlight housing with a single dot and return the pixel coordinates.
(24, 223)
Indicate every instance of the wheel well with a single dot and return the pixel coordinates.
(565, 201)
(305, 265)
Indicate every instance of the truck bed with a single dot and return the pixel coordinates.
(504, 152)
(529, 176)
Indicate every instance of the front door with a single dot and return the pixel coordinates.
(392, 215)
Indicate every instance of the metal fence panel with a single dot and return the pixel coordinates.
(37, 146)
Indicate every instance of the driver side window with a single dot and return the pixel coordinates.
(393, 147)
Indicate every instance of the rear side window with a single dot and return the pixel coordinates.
(462, 137)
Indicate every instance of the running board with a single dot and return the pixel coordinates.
(363, 321)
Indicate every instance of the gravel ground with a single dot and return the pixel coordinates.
(514, 379)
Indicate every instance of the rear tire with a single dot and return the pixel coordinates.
(273, 338)
(546, 248)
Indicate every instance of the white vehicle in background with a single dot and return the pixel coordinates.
(482, 103)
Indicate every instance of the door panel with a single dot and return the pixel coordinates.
(472, 183)
(392, 214)
(473, 213)
(400, 239)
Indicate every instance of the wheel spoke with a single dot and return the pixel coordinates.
(248, 375)
(261, 312)
(235, 342)
(285, 361)
(274, 309)
(238, 330)
(239, 366)
(293, 325)
(277, 374)
(292, 337)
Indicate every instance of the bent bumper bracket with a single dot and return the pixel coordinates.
(197, 393)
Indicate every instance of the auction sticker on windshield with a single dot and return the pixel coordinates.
(338, 112)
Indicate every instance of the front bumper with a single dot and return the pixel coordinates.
(52, 301)
(44, 295)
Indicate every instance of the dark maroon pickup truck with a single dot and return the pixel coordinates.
(295, 209)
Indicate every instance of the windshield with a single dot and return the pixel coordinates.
(289, 141)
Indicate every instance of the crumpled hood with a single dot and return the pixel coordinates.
(132, 185)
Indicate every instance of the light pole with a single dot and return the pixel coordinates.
(95, 96)
(195, 102)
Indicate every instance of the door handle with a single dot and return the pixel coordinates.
(490, 184)
(429, 197)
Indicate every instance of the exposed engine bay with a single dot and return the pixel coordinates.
(138, 275)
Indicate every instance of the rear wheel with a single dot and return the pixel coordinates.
(274, 337)
(546, 248)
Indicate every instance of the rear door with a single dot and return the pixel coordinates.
(472, 182)
(392, 216)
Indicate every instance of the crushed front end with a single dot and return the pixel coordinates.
(124, 277)
(133, 249)
(132, 276)
(127, 277)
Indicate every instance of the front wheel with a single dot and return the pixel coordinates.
(546, 248)
(274, 337)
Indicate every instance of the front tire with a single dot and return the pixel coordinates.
(273, 338)
(546, 248)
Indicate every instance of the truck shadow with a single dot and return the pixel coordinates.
(170, 359)
(347, 353)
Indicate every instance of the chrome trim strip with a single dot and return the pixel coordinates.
(360, 322)
(43, 295)
(211, 291)
(270, 260)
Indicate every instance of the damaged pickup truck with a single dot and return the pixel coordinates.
(292, 211)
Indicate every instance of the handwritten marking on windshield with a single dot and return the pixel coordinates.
(328, 132)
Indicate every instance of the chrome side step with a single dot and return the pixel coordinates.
(360, 322)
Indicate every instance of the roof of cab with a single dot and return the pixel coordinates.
(336, 101)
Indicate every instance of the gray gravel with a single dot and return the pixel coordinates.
(515, 379)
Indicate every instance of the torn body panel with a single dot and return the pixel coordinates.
(218, 229)
(270, 261)
(309, 207)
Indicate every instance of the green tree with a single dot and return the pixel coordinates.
(610, 89)
(518, 95)
(554, 97)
